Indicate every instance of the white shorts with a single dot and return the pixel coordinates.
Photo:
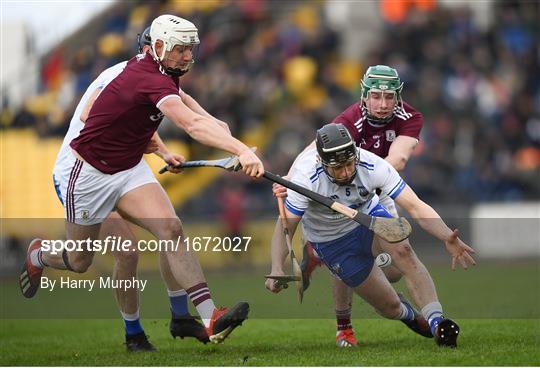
(389, 204)
(88, 195)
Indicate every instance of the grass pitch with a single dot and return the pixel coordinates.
(269, 342)
(497, 306)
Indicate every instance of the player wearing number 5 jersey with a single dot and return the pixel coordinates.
(382, 123)
(339, 170)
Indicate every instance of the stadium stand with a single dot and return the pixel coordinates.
(274, 71)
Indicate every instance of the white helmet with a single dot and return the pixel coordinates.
(172, 30)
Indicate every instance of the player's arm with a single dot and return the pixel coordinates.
(203, 130)
(400, 151)
(89, 104)
(158, 147)
(279, 250)
(430, 221)
(195, 106)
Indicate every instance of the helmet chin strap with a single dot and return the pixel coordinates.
(379, 121)
(175, 72)
(335, 181)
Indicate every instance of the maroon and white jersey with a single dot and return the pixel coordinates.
(378, 138)
(124, 117)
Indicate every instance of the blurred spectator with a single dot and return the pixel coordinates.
(277, 64)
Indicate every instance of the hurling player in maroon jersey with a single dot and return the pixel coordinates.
(382, 123)
(107, 170)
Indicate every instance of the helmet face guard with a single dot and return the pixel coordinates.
(337, 152)
(183, 70)
(384, 80)
(173, 31)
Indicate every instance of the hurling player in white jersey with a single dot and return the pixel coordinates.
(339, 170)
(381, 113)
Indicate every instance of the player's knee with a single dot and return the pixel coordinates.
(404, 251)
(80, 264)
(171, 229)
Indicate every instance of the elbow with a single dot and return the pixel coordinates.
(398, 161)
(400, 164)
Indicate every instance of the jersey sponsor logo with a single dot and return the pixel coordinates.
(337, 216)
(390, 135)
(156, 117)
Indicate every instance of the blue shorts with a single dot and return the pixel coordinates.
(350, 257)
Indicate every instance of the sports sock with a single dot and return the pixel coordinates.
(201, 299)
(433, 313)
(343, 318)
(132, 323)
(406, 314)
(36, 258)
(178, 303)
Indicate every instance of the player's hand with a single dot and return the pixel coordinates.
(251, 164)
(459, 251)
(273, 285)
(151, 147)
(173, 160)
(279, 190)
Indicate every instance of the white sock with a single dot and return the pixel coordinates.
(130, 317)
(35, 258)
(406, 313)
(205, 310)
(432, 310)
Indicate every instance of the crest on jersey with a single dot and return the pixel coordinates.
(362, 191)
(85, 214)
(390, 135)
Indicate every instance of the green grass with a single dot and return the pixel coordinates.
(496, 304)
(269, 342)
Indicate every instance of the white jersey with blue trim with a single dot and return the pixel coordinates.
(76, 125)
(322, 224)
